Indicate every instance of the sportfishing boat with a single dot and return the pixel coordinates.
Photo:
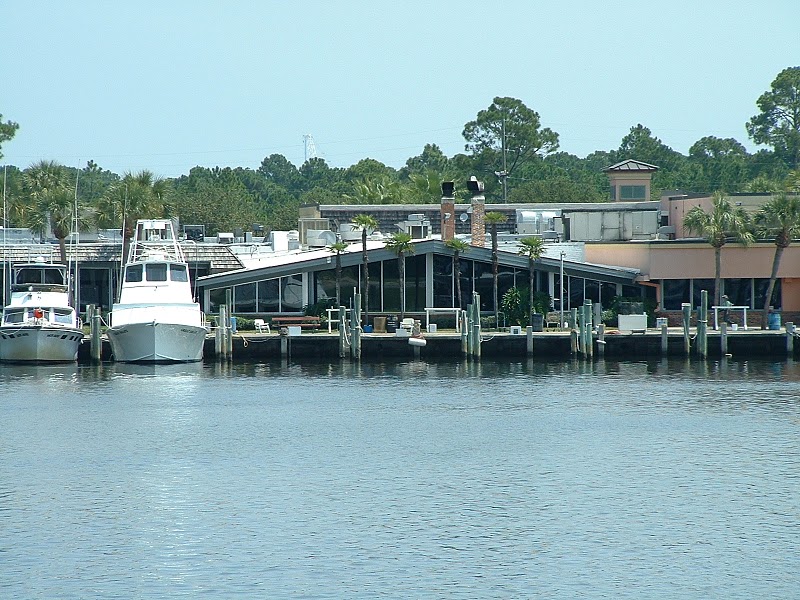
(156, 318)
(39, 324)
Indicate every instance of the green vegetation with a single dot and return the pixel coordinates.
(516, 305)
(716, 226)
(778, 219)
(532, 248)
(506, 146)
(400, 243)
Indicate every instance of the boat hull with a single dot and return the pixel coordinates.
(157, 342)
(39, 344)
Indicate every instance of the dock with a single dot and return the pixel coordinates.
(495, 345)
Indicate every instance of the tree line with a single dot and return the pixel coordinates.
(506, 146)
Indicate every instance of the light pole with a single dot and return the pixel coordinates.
(561, 293)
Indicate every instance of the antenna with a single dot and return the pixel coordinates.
(309, 148)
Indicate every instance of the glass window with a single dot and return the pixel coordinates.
(325, 286)
(156, 271)
(483, 285)
(591, 290)
(14, 316)
(133, 273)
(505, 281)
(178, 273)
(292, 294)
(608, 291)
(244, 298)
(415, 283)
(269, 296)
(575, 292)
(631, 291)
(54, 276)
(632, 192)
(443, 294)
(761, 291)
(374, 286)
(216, 298)
(466, 267)
(674, 292)
(62, 316)
(739, 291)
(698, 285)
(391, 286)
(29, 276)
(557, 292)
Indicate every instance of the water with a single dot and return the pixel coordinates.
(411, 480)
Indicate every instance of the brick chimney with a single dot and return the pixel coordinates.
(448, 211)
(478, 229)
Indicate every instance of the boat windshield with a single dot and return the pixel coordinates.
(14, 316)
(133, 273)
(178, 273)
(45, 275)
(62, 316)
(156, 271)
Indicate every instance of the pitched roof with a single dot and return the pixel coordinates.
(631, 165)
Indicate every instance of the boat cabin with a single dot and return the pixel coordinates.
(39, 277)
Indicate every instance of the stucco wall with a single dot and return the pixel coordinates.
(662, 260)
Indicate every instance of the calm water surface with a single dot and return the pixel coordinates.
(410, 480)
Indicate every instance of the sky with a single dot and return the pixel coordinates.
(174, 84)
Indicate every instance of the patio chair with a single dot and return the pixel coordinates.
(261, 326)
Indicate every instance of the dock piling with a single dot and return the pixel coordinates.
(96, 345)
(723, 338)
(702, 325)
(686, 310)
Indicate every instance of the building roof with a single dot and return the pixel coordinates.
(629, 165)
(318, 260)
(217, 256)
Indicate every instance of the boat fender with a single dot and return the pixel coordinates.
(412, 341)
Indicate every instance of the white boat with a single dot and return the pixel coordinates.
(39, 324)
(156, 318)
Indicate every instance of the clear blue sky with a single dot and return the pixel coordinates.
(173, 84)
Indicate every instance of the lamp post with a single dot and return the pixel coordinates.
(561, 293)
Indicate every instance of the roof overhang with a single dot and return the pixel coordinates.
(319, 260)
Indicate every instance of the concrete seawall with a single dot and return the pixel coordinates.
(499, 345)
(548, 345)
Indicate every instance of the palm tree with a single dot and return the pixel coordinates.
(458, 247)
(780, 219)
(337, 248)
(136, 196)
(365, 223)
(400, 243)
(532, 248)
(716, 226)
(51, 201)
(492, 219)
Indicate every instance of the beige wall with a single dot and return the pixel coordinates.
(663, 260)
(660, 260)
(618, 179)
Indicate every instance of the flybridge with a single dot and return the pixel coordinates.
(155, 239)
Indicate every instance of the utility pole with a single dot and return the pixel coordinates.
(503, 175)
